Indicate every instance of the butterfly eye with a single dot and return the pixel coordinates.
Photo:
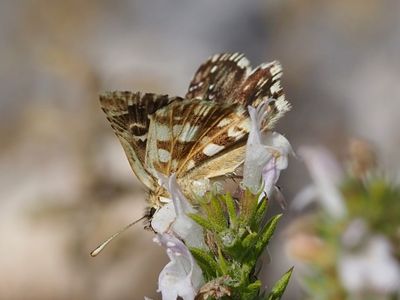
(151, 212)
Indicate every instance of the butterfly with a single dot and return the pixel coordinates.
(200, 137)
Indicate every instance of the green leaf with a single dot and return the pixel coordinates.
(206, 262)
(247, 254)
(202, 221)
(255, 286)
(222, 262)
(216, 213)
(262, 207)
(267, 233)
(251, 291)
(248, 209)
(280, 286)
(250, 240)
(230, 205)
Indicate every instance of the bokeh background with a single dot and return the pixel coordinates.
(65, 182)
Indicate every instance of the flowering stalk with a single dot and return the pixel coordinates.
(224, 237)
(236, 237)
(350, 246)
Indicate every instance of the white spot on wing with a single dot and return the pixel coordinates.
(233, 56)
(212, 149)
(213, 69)
(247, 87)
(264, 66)
(165, 199)
(164, 155)
(275, 87)
(224, 122)
(163, 132)
(234, 133)
(282, 104)
(174, 164)
(140, 137)
(243, 62)
(215, 58)
(276, 68)
(188, 133)
(191, 164)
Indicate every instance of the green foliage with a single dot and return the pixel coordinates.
(378, 202)
(236, 234)
(280, 286)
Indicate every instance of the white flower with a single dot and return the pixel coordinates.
(326, 175)
(371, 268)
(266, 154)
(172, 217)
(181, 277)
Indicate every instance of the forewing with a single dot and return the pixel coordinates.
(218, 77)
(262, 82)
(228, 78)
(129, 115)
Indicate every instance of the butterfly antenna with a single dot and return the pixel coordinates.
(100, 248)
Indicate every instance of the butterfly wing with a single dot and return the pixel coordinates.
(217, 78)
(176, 130)
(228, 77)
(129, 114)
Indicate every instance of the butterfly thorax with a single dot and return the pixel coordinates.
(191, 189)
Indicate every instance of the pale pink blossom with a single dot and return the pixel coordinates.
(266, 154)
(369, 267)
(181, 277)
(173, 217)
(326, 175)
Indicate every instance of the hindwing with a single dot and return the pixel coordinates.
(184, 135)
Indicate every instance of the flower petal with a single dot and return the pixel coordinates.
(181, 277)
(176, 220)
(266, 154)
(326, 175)
(373, 268)
(270, 175)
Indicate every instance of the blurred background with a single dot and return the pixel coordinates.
(65, 182)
